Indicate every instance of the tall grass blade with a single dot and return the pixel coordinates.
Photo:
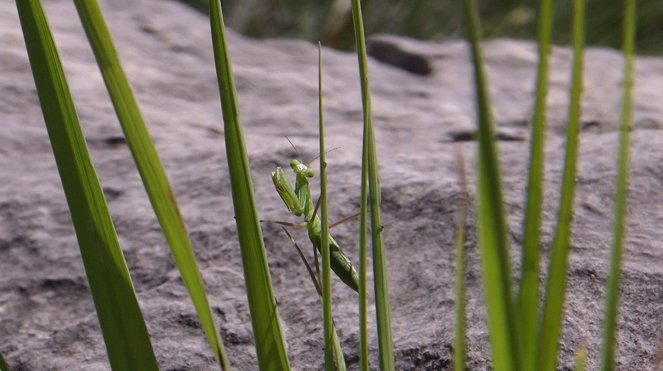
(621, 196)
(149, 165)
(324, 237)
(528, 296)
(492, 226)
(270, 345)
(125, 334)
(460, 351)
(370, 168)
(553, 303)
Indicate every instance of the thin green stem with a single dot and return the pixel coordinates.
(324, 238)
(621, 196)
(460, 356)
(553, 304)
(381, 281)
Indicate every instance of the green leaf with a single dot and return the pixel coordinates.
(270, 346)
(149, 165)
(121, 320)
(492, 226)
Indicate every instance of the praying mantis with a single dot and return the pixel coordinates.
(300, 202)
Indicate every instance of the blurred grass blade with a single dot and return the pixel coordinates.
(324, 237)
(528, 295)
(460, 356)
(370, 168)
(553, 303)
(492, 227)
(581, 358)
(3, 364)
(125, 334)
(149, 165)
(270, 346)
(621, 196)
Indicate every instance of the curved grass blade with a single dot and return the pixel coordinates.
(492, 226)
(370, 168)
(125, 334)
(528, 295)
(151, 170)
(270, 346)
(621, 196)
(553, 303)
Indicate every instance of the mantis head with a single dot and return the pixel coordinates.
(301, 169)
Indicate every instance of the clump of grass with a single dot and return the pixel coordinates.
(523, 335)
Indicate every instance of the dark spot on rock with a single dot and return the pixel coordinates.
(112, 193)
(233, 338)
(219, 312)
(507, 137)
(392, 54)
(148, 29)
(62, 285)
(115, 140)
(587, 272)
(468, 136)
(188, 320)
(590, 125)
(424, 359)
(462, 136)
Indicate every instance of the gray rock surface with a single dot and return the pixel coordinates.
(47, 319)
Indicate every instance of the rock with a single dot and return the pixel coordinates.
(47, 319)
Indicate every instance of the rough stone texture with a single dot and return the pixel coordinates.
(47, 319)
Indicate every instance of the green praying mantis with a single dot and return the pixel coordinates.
(300, 202)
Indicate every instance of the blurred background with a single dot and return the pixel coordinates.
(330, 20)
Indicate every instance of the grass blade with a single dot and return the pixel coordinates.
(528, 296)
(3, 364)
(493, 236)
(621, 196)
(125, 334)
(370, 168)
(581, 359)
(151, 170)
(270, 345)
(460, 356)
(324, 237)
(553, 303)
(338, 351)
